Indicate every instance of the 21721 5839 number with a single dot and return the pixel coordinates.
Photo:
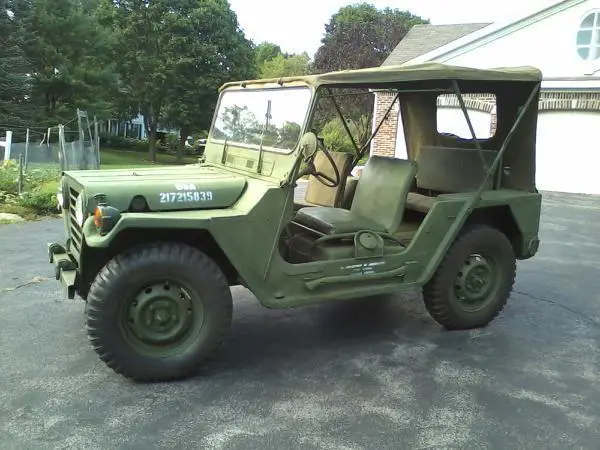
(184, 197)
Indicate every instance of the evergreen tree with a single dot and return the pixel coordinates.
(14, 83)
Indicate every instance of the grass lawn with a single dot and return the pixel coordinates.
(123, 159)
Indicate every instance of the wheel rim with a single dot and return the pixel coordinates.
(162, 318)
(476, 283)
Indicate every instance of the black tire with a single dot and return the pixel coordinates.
(456, 274)
(120, 308)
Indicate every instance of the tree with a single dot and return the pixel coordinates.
(360, 36)
(14, 83)
(70, 60)
(213, 50)
(357, 36)
(266, 51)
(285, 66)
(173, 57)
(272, 62)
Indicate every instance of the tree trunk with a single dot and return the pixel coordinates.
(153, 122)
(183, 134)
(152, 141)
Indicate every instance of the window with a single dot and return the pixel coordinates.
(588, 37)
(269, 117)
(481, 109)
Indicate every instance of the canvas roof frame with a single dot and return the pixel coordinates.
(418, 86)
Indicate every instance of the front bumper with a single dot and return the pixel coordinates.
(65, 268)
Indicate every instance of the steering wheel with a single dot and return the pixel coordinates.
(310, 145)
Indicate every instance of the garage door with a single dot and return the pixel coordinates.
(568, 153)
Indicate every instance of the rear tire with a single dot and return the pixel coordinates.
(474, 280)
(157, 312)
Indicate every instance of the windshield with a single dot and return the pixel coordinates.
(271, 117)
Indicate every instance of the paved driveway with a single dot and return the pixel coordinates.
(365, 374)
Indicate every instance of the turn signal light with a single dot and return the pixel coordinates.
(105, 218)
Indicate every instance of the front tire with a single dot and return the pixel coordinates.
(474, 280)
(157, 312)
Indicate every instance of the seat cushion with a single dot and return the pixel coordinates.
(335, 220)
(382, 188)
(420, 202)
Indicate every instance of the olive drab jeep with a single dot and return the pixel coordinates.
(154, 251)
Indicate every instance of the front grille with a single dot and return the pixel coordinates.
(75, 232)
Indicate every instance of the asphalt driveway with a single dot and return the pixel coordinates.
(365, 374)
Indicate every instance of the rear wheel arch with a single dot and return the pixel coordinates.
(93, 258)
(501, 218)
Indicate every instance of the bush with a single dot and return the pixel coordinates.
(123, 143)
(39, 186)
(41, 199)
(336, 137)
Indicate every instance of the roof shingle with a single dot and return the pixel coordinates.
(426, 37)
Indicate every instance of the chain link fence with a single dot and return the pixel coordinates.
(40, 153)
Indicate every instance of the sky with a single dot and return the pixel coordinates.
(298, 25)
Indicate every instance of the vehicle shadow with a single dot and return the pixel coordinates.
(304, 337)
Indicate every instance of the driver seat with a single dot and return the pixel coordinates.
(378, 203)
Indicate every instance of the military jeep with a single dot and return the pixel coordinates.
(155, 251)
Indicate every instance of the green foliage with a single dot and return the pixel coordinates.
(71, 64)
(14, 85)
(175, 57)
(285, 66)
(117, 159)
(266, 51)
(273, 63)
(361, 35)
(357, 36)
(40, 187)
(41, 199)
(9, 177)
(108, 140)
(336, 137)
(220, 54)
(164, 59)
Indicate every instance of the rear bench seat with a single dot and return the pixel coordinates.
(447, 170)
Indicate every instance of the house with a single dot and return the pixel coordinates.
(563, 41)
(133, 128)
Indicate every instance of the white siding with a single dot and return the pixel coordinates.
(568, 154)
(549, 44)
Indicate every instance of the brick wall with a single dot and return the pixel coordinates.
(384, 143)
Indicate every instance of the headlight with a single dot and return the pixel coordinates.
(79, 213)
(105, 218)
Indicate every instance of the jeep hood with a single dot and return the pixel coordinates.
(162, 188)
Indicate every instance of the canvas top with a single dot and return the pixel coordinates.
(396, 74)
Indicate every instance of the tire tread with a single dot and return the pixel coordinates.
(101, 290)
(435, 291)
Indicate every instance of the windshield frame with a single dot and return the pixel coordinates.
(211, 139)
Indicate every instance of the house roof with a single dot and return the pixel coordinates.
(424, 38)
(529, 14)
